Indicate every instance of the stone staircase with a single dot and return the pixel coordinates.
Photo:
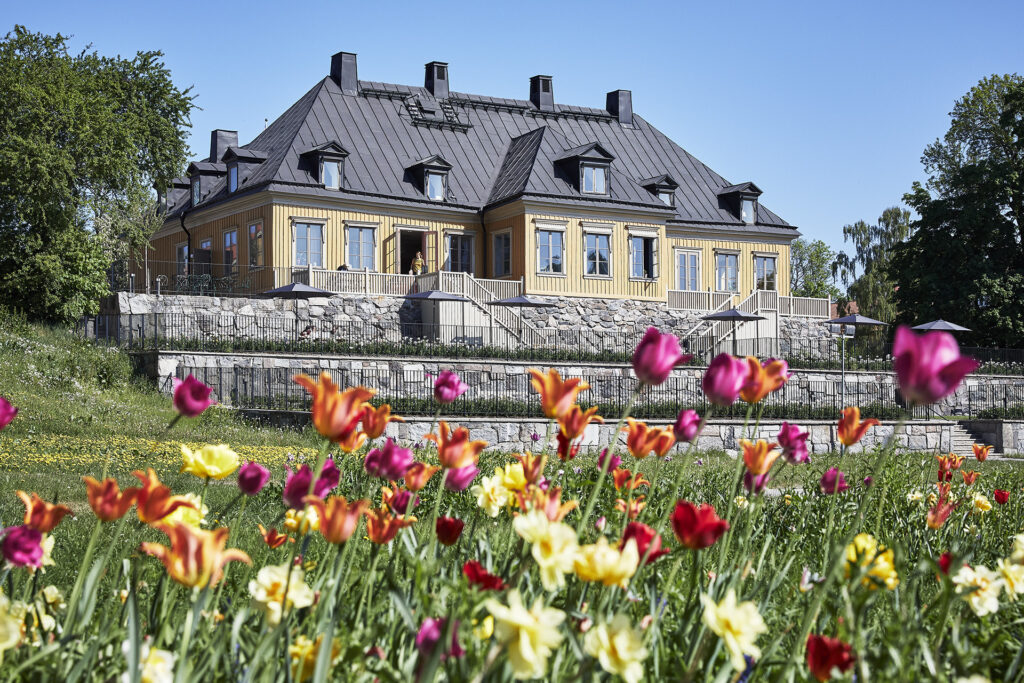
(962, 441)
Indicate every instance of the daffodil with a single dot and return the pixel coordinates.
(267, 591)
(738, 624)
(10, 627)
(491, 494)
(531, 635)
(618, 647)
(304, 652)
(1017, 554)
(605, 563)
(876, 561)
(554, 546)
(484, 629)
(513, 477)
(981, 503)
(301, 522)
(979, 586)
(209, 462)
(1012, 575)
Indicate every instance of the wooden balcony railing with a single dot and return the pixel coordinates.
(805, 307)
(689, 300)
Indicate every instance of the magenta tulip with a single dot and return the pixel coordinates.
(754, 483)
(724, 378)
(608, 462)
(459, 479)
(252, 477)
(656, 355)
(431, 632)
(296, 485)
(7, 412)
(191, 397)
(390, 462)
(22, 546)
(448, 386)
(793, 443)
(929, 367)
(403, 501)
(688, 426)
(833, 481)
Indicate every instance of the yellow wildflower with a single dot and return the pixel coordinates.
(602, 562)
(485, 628)
(738, 624)
(618, 647)
(741, 502)
(209, 462)
(554, 546)
(531, 635)
(491, 494)
(876, 560)
(267, 591)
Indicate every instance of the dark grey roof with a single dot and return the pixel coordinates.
(206, 167)
(499, 149)
(243, 154)
(741, 188)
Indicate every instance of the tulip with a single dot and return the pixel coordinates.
(417, 476)
(1002, 497)
(337, 414)
(209, 462)
(338, 517)
(449, 529)
(548, 501)
(191, 397)
(272, 537)
(833, 481)
(641, 440)
(648, 541)
(390, 462)
(557, 396)
(794, 443)
(981, 452)
(252, 477)
(403, 500)
(22, 546)
(106, 499)
(448, 386)
(154, 501)
(454, 449)
(929, 367)
(479, 577)
(566, 449)
(39, 514)
(851, 429)
(196, 557)
(575, 420)
(631, 509)
(759, 457)
(724, 379)
(375, 421)
(431, 631)
(656, 355)
(7, 412)
(458, 479)
(533, 466)
(622, 477)
(827, 654)
(608, 462)
(382, 526)
(762, 380)
(688, 426)
(969, 477)
(945, 562)
(754, 483)
(296, 485)
(697, 526)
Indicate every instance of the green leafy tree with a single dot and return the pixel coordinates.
(810, 267)
(83, 139)
(965, 262)
(865, 273)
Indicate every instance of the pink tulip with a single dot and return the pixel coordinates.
(22, 546)
(794, 443)
(7, 412)
(252, 477)
(296, 485)
(688, 426)
(390, 462)
(833, 481)
(403, 500)
(724, 378)
(459, 479)
(656, 355)
(448, 386)
(608, 462)
(431, 631)
(191, 397)
(754, 483)
(929, 366)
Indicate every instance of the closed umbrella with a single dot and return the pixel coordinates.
(438, 295)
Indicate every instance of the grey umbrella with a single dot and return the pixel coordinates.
(853, 320)
(941, 325)
(733, 315)
(295, 290)
(520, 301)
(438, 295)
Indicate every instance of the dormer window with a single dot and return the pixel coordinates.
(669, 198)
(430, 176)
(663, 187)
(748, 210)
(435, 186)
(326, 164)
(196, 191)
(330, 173)
(594, 180)
(586, 166)
(741, 201)
(232, 177)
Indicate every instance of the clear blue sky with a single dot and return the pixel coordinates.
(825, 105)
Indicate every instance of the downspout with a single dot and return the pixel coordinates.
(483, 230)
(188, 256)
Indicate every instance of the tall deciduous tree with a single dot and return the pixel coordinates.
(83, 138)
(865, 273)
(810, 267)
(965, 263)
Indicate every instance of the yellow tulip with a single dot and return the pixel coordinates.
(209, 462)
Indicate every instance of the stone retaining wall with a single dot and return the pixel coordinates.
(1006, 436)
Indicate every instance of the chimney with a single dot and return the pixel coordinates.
(343, 72)
(436, 79)
(619, 103)
(540, 93)
(220, 140)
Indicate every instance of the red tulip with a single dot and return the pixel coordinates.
(697, 527)
(449, 529)
(945, 562)
(645, 538)
(826, 654)
(1002, 497)
(929, 366)
(656, 355)
(481, 578)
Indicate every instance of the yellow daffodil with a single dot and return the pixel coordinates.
(738, 624)
(303, 653)
(876, 560)
(979, 586)
(981, 503)
(531, 635)
(209, 462)
(554, 546)
(53, 597)
(1012, 575)
(10, 627)
(192, 516)
(157, 666)
(267, 591)
(491, 494)
(513, 477)
(603, 562)
(618, 647)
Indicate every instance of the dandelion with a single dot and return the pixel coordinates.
(738, 624)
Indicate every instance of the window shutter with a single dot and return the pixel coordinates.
(656, 252)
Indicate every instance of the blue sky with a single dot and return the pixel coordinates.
(825, 105)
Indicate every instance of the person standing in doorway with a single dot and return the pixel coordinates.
(417, 264)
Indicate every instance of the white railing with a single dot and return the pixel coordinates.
(767, 300)
(355, 281)
(502, 289)
(690, 300)
(805, 307)
(390, 284)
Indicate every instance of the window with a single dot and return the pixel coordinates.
(331, 174)
(594, 179)
(598, 254)
(230, 251)
(460, 253)
(669, 198)
(232, 177)
(727, 272)
(764, 272)
(360, 247)
(203, 258)
(435, 186)
(642, 257)
(502, 254)
(196, 195)
(181, 258)
(309, 245)
(549, 251)
(748, 211)
(255, 245)
(688, 270)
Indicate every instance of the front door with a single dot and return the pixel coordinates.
(411, 243)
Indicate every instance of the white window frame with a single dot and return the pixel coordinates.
(668, 197)
(337, 174)
(767, 256)
(679, 251)
(357, 225)
(494, 253)
(752, 218)
(306, 222)
(196, 190)
(232, 178)
(229, 268)
(645, 233)
(554, 228)
(444, 185)
(603, 230)
(584, 167)
(262, 250)
(736, 256)
(448, 249)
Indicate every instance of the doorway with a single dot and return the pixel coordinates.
(409, 243)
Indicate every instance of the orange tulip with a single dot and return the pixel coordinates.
(336, 414)
(641, 440)
(575, 421)
(940, 512)
(376, 420)
(382, 526)
(549, 502)
(196, 557)
(454, 449)
(851, 429)
(763, 379)
(533, 466)
(981, 452)
(557, 396)
(107, 500)
(40, 515)
(272, 538)
(338, 518)
(417, 476)
(352, 442)
(969, 477)
(621, 477)
(635, 506)
(154, 501)
(759, 457)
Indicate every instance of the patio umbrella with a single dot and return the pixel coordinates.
(941, 325)
(520, 301)
(295, 290)
(733, 315)
(438, 295)
(853, 320)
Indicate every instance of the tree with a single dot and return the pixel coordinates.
(866, 273)
(83, 139)
(965, 261)
(810, 265)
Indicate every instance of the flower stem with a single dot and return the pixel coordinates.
(82, 569)
(437, 510)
